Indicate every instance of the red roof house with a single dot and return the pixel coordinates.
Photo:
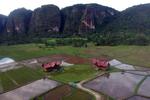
(52, 66)
(101, 64)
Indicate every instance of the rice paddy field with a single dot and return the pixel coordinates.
(18, 77)
(66, 92)
(15, 78)
(126, 85)
(136, 55)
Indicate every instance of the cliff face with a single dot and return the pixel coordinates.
(81, 19)
(71, 18)
(46, 19)
(95, 17)
(49, 20)
(77, 19)
(88, 18)
(3, 20)
(18, 22)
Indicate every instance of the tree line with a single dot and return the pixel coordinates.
(82, 41)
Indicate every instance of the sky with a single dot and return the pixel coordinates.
(6, 6)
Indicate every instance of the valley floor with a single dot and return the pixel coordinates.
(135, 55)
(26, 55)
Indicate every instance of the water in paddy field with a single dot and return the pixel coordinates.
(1, 88)
(7, 63)
(6, 60)
(121, 85)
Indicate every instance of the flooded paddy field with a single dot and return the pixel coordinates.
(122, 85)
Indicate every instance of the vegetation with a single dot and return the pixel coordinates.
(129, 27)
(66, 92)
(78, 95)
(18, 77)
(75, 42)
(28, 51)
(120, 39)
(135, 19)
(70, 73)
(103, 39)
(136, 55)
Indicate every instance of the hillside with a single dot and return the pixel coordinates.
(49, 21)
(135, 19)
(89, 18)
(132, 24)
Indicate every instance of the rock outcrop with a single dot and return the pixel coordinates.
(71, 18)
(49, 21)
(95, 17)
(86, 18)
(18, 22)
(46, 19)
(3, 20)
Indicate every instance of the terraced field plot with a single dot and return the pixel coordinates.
(66, 92)
(31, 90)
(136, 55)
(18, 77)
(122, 85)
(144, 89)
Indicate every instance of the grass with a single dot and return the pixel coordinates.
(18, 77)
(136, 55)
(78, 95)
(6, 82)
(22, 52)
(74, 74)
(66, 92)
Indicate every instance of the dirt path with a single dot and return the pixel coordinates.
(97, 95)
(29, 91)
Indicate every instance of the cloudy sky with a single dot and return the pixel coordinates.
(6, 6)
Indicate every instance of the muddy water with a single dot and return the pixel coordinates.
(117, 85)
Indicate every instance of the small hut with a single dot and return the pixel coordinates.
(101, 64)
(55, 65)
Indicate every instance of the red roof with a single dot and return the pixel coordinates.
(100, 63)
(51, 64)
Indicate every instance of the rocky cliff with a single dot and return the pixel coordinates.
(46, 19)
(49, 19)
(3, 20)
(18, 22)
(89, 18)
(95, 18)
